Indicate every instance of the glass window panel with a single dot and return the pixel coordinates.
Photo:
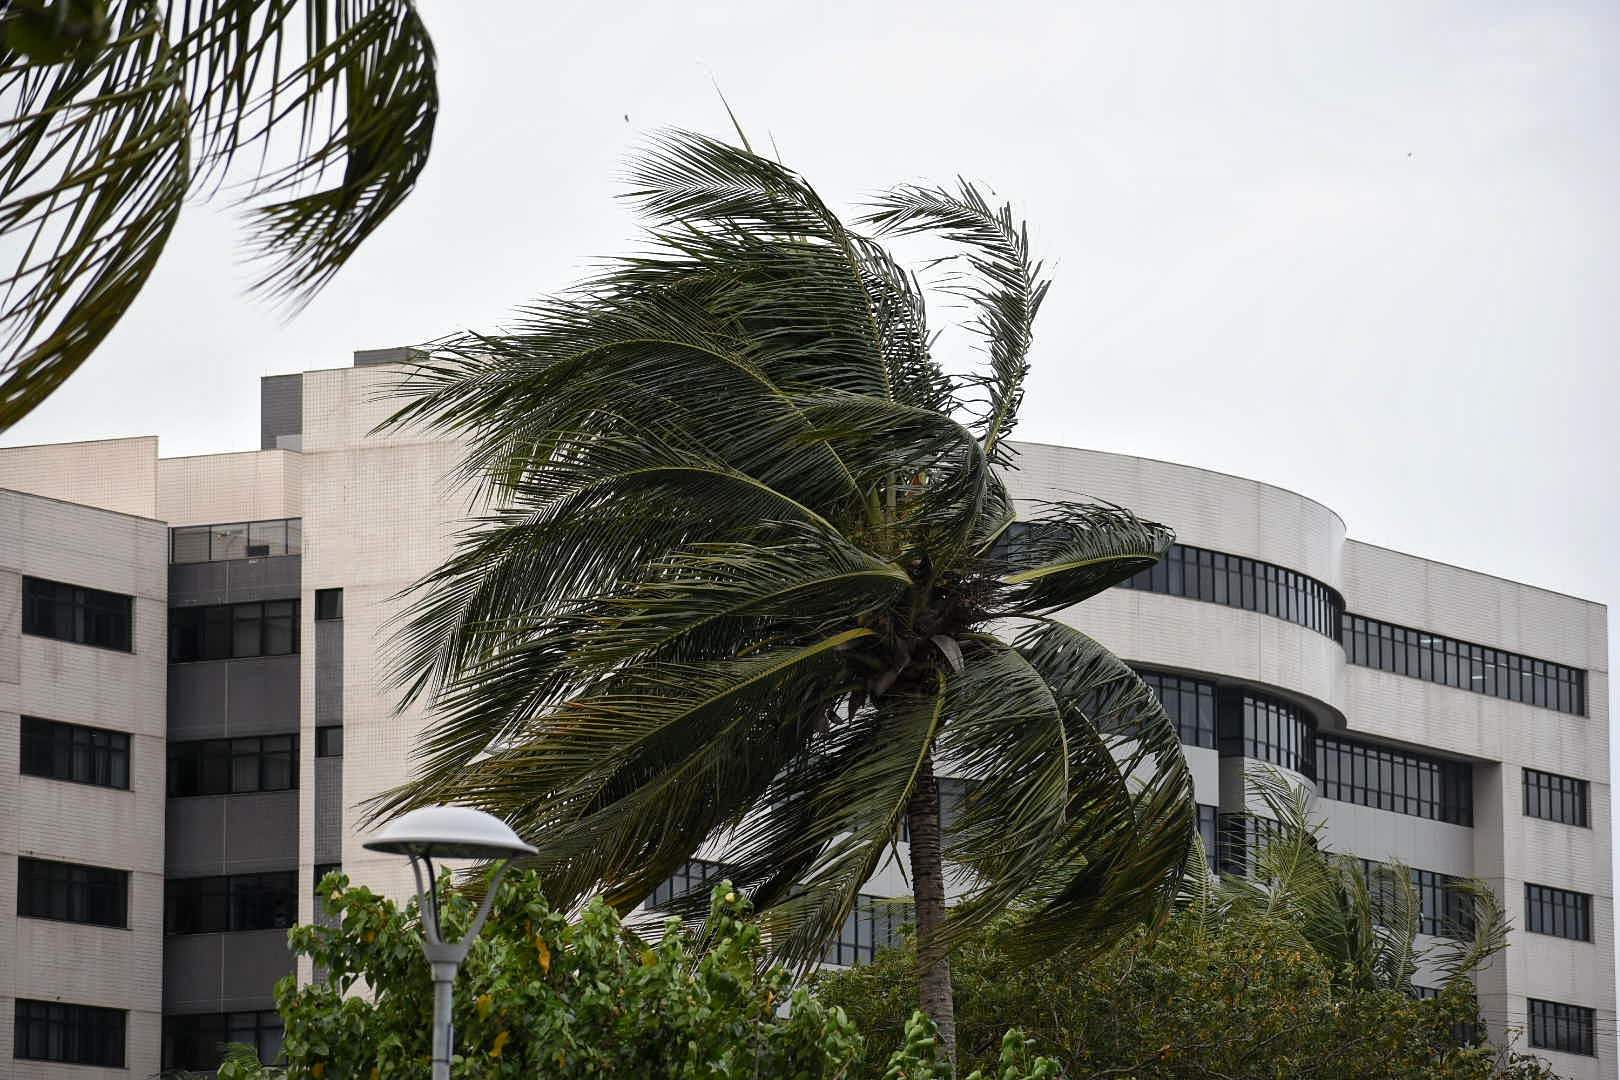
(229, 542)
(267, 538)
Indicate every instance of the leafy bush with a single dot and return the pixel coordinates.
(1187, 1003)
(541, 996)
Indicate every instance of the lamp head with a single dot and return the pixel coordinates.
(449, 832)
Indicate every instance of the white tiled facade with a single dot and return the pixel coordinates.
(378, 512)
(61, 821)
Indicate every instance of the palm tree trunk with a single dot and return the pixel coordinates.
(928, 887)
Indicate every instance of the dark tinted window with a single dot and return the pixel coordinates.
(196, 1042)
(70, 613)
(233, 766)
(72, 893)
(71, 1034)
(695, 876)
(1206, 830)
(328, 604)
(233, 631)
(1558, 912)
(872, 925)
(1445, 910)
(1398, 780)
(329, 741)
(1419, 654)
(1556, 798)
(84, 755)
(223, 904)
(1190, 703)
(1266, 729)
(1235, 581)
(1238, 840)
(1556, 1026)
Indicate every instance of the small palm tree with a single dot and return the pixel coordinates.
(748, 583)
(1363, 918)
(113, 111)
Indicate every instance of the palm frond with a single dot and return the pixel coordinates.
(94, 167)
(1071, 551)
(100, 124)
(1004, 284)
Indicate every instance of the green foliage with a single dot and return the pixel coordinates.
(542, 997)
(1186, 1004)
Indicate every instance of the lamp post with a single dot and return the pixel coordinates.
(447, 832)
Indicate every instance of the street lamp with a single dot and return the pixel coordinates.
(447, 832)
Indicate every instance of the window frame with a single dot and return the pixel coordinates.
(210, 759)
(118, 746)
(1550, 910)
(77, 885)
(71, 1014)
(79, 608)
(1564, 1019)
(230, 903)
(200, 633)
(1557, 791)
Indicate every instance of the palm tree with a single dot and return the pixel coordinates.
(1363, 918)
(113, 111)
(748, 549)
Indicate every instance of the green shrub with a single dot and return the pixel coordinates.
(541, 996)
(1188, 1003)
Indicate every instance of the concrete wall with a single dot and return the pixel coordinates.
(111, 474)
(256, 485)
(71, 822)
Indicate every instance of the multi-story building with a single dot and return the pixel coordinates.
(195, 708)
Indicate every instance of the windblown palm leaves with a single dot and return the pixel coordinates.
(748, 579)
(113, 111)
(1363, 919)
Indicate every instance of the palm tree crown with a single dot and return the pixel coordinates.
(749, 551)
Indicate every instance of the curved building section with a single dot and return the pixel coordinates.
(1447, 719)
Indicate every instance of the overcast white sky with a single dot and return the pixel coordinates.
(1367, 251)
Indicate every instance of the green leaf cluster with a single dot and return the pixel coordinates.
(541, 996)
(1241, 1003)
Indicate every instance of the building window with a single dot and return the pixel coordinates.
(1556, 798)
(1398, 780)
(1566, 1028)
(694, 876)
(1419, 654)
(70, 1034)
(83, 616)
(1190, 703)
(1558, 912)
(233, 766)
(329, 741)
(328, 605)
(69, 892)
(873, 924)
(233, 631)
(237, 540)
(1235, 581)
(1444, 910)
(1267, 730)
(214, 905)
(196, 1042)
(83, 755)
(1206, 830)
(1238, 840)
